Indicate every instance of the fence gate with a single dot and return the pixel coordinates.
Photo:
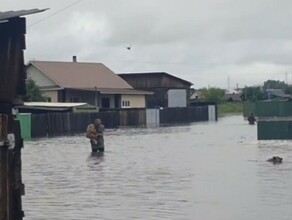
(152, 117)
(212, 113)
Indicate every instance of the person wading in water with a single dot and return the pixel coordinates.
(95, 133)
(251, 119)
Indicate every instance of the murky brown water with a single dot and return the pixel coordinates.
(200, 171)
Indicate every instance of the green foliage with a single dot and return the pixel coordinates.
(275, 84)
(230, 108)
(253, 94)
(214, 95)
(33, 92)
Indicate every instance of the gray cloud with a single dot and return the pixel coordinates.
(203, 41)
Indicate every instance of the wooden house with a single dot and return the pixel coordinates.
(93, 83)
(168, 90)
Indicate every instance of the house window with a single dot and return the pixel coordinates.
(125, 103)
(75, 99)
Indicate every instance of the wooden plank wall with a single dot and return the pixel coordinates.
(54, 124)
(132, 117)
(12, 86)
(183, 115)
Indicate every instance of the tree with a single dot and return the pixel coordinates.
(275, 84)
(33, 92)
(213, 95)
(253, 94)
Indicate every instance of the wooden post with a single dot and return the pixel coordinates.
(12, 85)
(3, 183)
(3, 167)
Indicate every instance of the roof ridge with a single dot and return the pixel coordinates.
(161, 72)
(50, 61)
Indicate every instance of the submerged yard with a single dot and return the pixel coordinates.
(229, 108)
(204, 170)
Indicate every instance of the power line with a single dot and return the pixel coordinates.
(160, 62)
(57, 12)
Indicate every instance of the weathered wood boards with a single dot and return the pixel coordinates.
(12, 85)
(12, 69)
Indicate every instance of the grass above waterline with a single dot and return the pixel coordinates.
(227, 108)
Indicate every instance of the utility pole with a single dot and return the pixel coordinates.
(12, 86)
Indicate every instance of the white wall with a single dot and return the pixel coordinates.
(136, 101)
(177, 98)
(40, 79)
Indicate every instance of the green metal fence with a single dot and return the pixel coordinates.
(25, 124)
(275, 130)
(248, 108)
(268, 109)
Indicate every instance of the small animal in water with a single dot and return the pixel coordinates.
(275, 160)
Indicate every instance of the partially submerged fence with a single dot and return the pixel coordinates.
(183, 115)
(53, 124)
(268, 109)
(274, 119)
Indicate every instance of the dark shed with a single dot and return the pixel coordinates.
(12, 44)
(159, 83)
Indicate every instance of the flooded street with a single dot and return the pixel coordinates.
(206, 171)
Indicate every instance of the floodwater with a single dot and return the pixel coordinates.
(212, 171)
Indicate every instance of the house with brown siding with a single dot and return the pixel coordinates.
(93, 83)
(168, 90)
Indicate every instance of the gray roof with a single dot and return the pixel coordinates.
(77, 75)
(13, 14)
(113, 91)
(158, 74)
(277, 92)
(234, 97)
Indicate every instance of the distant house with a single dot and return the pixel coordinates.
(92, 83)
(197, 95)
(169, 90)
(233, 95)
(277, 94)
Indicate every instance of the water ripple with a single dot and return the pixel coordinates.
(198, 171)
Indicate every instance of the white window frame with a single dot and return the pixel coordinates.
(126, 103)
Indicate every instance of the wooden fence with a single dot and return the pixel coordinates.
(53, 124)
(183, 115)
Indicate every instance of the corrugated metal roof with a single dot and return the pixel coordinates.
(120, 91)
(77, 75)
(53, 104)
(125, 92)
(13, 14)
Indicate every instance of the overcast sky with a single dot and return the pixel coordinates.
(203, 41)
